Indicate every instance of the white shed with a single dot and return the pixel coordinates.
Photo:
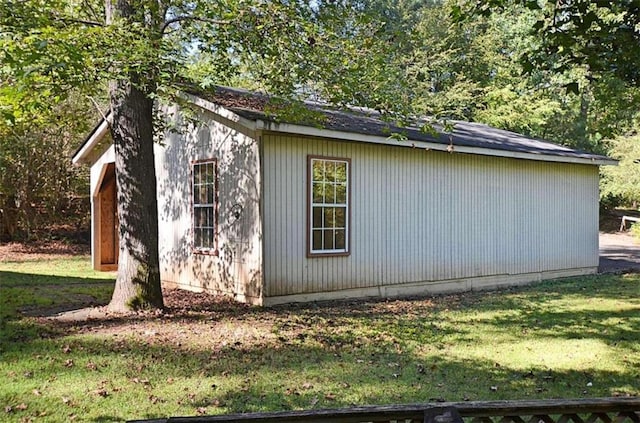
(268, 212)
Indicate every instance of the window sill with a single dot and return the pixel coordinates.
(329, 254)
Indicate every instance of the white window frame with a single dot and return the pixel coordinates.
(311, 204)
(212, 206)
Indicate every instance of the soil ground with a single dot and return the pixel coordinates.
(40, 250)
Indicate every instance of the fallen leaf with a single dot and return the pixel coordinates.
(66, 349)
(330, 397)
(494, 388)
(92, 366)
(66, 400)
(68, 363)
(201, 410)
(307, 385)
(8, 409)
(21, 407)
(36, 392)
(101, 392)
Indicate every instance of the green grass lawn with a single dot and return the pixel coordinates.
(572, 338)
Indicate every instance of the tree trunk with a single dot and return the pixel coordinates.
(138, 281)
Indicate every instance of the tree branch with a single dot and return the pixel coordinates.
(192, 18)
(95, 103)
(79, 21)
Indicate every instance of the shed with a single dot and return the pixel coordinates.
(260, 208)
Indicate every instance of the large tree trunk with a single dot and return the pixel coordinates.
(138, 281)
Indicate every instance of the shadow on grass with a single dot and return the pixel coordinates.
(290, 375)
(328, 355)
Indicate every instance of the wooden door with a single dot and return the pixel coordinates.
(108, 220)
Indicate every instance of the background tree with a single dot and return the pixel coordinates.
(330, 49)
(473, 70)
(38, 185)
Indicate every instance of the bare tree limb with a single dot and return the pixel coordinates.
(95, 103)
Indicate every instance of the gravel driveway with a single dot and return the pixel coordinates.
(618, 253)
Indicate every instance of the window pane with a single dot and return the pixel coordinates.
(318, 170)
(210, 217)
(341, 194)
(341, 243)
(341, 213)
(317, 217)
(210, 193)
(330, 171)
(317, 240)
(328, 217)
(341, 172)
(210, 174)
(196, 174)
(196, 194)
(318, 192)
(328, 239)
(330, 194)
(197, 237)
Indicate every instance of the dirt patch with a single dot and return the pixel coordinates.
(41, 250)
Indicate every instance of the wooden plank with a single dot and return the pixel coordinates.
(625, 407)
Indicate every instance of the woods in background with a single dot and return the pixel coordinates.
(507, 66)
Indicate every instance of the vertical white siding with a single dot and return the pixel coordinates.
(420, 216)
(237, 270)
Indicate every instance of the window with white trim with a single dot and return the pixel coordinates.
(204, 205)
(329, 206)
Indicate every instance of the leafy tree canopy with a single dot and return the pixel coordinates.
(331, 49)
(601, 35)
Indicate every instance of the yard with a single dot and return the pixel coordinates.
(573, 338)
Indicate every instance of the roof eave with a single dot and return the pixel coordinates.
(98, 133)
(376, 139)
(221, 111)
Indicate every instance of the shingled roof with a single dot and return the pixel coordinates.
(259, 107)
(367, 125)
